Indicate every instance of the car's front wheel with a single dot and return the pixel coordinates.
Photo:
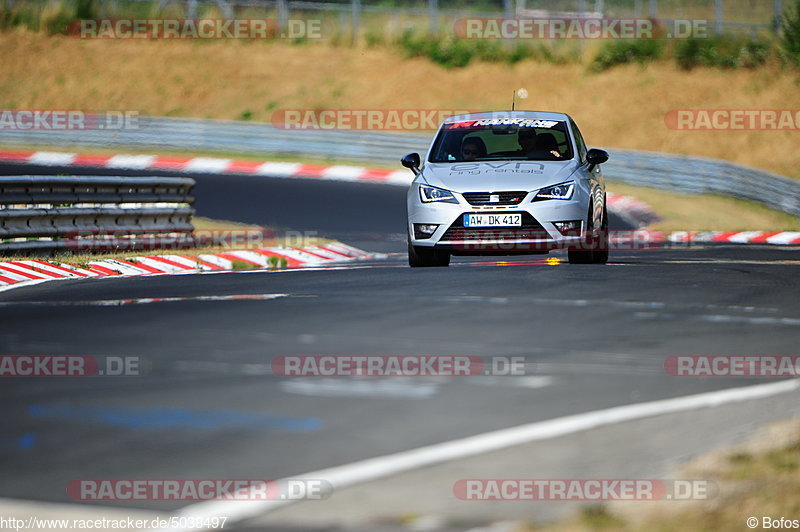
(595, 247)
(419, 257)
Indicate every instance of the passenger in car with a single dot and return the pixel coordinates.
(539, 147)
(546, 142)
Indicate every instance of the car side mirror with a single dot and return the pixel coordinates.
(595, 157)
(411, 161)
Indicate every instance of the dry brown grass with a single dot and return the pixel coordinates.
(681, 212)
(760, 477)
(623, 107)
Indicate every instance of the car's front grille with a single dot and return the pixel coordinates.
(530, 229)
(503, 198)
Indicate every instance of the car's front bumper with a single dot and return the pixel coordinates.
(538, 234)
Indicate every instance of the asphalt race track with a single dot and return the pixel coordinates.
(206, 405)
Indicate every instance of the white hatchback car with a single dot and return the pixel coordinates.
(506, 183)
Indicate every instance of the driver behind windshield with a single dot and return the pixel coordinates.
(473, 148)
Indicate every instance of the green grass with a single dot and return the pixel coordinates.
(724, 51)
(449, 51)
(790, 35)
(622, 52)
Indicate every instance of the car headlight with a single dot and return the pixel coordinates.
(429, 194)
(562, 191)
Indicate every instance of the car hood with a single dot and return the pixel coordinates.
(495, 176)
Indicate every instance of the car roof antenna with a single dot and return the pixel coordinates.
(513, 99)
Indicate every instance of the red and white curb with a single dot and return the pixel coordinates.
(37, 271)
(630, 239)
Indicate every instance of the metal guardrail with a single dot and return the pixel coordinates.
(700, 175)
(89, 213)
(685, 174)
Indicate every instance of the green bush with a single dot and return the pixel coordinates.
(487, 50)
(56, 19)
(21, 16)
(86, 9)
(453, 52)
(626, 51)
(790, 35)
(412, 45)
(374, 39)
(59, 22)
(540, 53)
(724, 51)
(449, 52)
(754, 54)
(520, 52)
(567, 52)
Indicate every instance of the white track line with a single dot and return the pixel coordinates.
(141, 301)
(374, 468)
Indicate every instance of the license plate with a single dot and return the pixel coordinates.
(492, 220)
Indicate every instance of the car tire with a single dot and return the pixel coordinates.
(420, 257)
(595, 248)
(600, 254)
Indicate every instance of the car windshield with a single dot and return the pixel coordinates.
(502, 139)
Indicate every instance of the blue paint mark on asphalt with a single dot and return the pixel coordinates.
(159, 418)
(27, 441)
